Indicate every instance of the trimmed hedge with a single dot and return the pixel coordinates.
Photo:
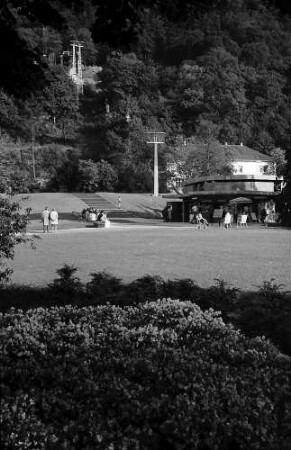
(266, 312)
(162, 375)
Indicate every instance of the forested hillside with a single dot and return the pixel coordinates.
(202, 72)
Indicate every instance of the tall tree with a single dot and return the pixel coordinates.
(61, 102)
(12, 225)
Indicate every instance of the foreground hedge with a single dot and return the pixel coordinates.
(164, 375)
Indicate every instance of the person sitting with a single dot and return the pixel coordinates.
(92, 215)
(102, 217)
(201, 221)
(83, 213)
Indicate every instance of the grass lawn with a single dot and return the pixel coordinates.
(140, 204)
(62, 202)
(244, 258)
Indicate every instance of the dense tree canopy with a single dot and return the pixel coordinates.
(184, 68)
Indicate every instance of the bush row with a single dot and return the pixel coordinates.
(264, 312)
(160, 375)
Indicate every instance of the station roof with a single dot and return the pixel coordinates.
(243, 153)
(234, 152)
(222, 194)
(232, 178)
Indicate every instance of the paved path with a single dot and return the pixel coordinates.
(78, 225)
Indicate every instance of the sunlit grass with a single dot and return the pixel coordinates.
(243, 258)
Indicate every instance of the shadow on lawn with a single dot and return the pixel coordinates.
(265, 312)
(62, 216)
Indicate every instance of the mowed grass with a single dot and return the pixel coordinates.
(140, 204)
(244, 258)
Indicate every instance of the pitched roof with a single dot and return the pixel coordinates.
(243, 153)
(234, 152)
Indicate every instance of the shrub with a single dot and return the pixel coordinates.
(67, 288)
(271, 290)
(144, 289)
(103, 287)
(266, 314)
(163, 375)
(185, 289)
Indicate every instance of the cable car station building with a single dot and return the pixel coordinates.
(252, 186)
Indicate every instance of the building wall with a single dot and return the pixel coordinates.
(248, 185)
(231, 186)
(249, 167)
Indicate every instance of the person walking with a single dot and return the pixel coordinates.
(54, 220)
(45, 218)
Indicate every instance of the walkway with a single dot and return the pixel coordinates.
(93, 200)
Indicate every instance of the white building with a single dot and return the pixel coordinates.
(246, 161)
(253, 178)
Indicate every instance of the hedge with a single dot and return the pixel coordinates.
(161, 375)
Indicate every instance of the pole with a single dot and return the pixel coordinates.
(32, 151)
(74, 71)
(156, 171)
(79, 72)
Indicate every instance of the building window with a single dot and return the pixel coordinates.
(263, 169)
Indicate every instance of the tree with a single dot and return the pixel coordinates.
(61, 102)
(24, 71)
(8, 112)
(96, 176)
(279, 161)
(12, 226)
(196, 158)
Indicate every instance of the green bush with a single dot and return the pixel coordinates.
(102, 288)
(266, 314)
(145, 289)
(163, 375)
(67, 288)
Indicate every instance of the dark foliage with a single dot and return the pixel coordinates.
(265, 312)
(219, 71)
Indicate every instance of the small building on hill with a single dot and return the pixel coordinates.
(252, 186)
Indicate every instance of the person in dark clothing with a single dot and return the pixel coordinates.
(167, 213)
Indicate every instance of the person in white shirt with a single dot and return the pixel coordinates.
(54, 220)
(45, 218)
(227, 220)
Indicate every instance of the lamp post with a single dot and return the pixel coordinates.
(156, 137)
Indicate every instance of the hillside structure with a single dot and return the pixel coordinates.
(76, 70)
(252, 186)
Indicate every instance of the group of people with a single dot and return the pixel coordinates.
(50, 220)
(95, 215)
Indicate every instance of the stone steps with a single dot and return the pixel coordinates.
(98, 202)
